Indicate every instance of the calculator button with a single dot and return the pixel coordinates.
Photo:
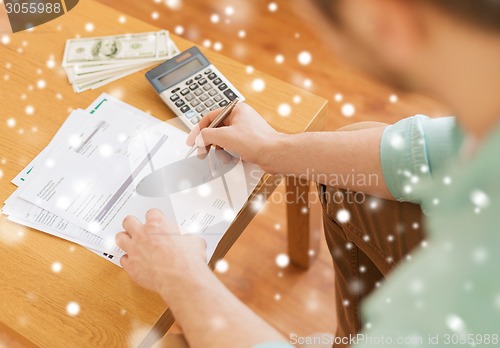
(179, 103)
(200, 108)
(193, 86)
(209, 103)
(190, 81)
(190, 114)
(223, 103)
(195, 102)
(207, 87)
(217, 81)
(212, 92)
(223, 87)
(215, 107)
(197, 77)
(208, 71)
(204, 113)
(230, 95)
(190, 97)
(185, 91)
(176, 90)
(212, 76)
(218, 98)
(195, 120)
(185, 108)
(204, 97)
(174, 97)
(202, 82)
(197, 92)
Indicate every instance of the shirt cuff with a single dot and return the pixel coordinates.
(404, 158)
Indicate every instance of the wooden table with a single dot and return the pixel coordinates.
(114, 311)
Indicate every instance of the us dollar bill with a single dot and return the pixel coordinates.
(107, 50)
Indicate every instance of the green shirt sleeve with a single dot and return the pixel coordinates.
(413, 149)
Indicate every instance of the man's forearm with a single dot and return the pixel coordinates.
(210, 315)
(349, 160)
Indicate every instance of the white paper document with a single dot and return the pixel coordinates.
(113, 160)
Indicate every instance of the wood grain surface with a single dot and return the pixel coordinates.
(113, 310)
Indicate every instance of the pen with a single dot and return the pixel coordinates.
(217, 121)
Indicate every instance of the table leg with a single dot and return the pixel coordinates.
(303, 221)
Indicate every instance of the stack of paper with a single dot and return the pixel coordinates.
(93, 62)
(91, 175)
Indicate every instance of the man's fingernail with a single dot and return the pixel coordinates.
(199, 141)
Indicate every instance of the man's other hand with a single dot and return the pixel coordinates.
(157, 254)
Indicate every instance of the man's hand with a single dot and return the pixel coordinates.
(244, 132)
(157, 255)
(162, 260)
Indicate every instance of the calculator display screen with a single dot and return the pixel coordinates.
(181, 73)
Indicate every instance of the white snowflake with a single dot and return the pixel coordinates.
(479, 255)
(173, 4)
(273, 7)
(348, 110)
(51, 63)
(258, 85)
(217, 46)
(221, 266)
(229, 215)
(416, 286)
(397, 141)
(56, 267)
(343, 216)
(215, 18)
(304, 58)
(279, 59)
(480, 199)
(41, 84)
(204, 190)
(179, 30)
(455, 323)
(5, 39)
(284, 110)
(229, 10)
(73, 309)
(29, 110)
(282, 260)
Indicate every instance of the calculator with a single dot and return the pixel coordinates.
(191, 86)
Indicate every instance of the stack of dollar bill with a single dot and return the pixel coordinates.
(93, 62)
